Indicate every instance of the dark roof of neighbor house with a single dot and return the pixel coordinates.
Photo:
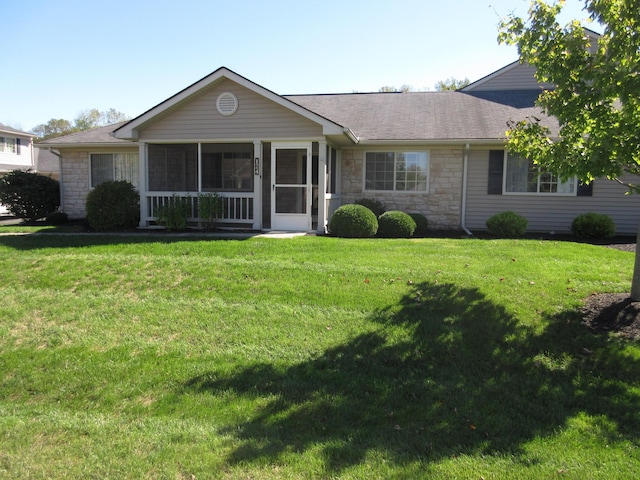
(427, 116)
(95, 137)
(6, 129)
(414, 116)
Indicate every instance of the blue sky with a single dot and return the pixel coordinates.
(71, 55)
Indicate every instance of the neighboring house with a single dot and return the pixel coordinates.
(287, 162)
(47, 163)
(16, 152)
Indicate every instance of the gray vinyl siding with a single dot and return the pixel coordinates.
(256, 117)
(547, 213)
(517, 77)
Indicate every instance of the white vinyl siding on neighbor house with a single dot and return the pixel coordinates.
(114, 166)
(396, 171)
(546, 213)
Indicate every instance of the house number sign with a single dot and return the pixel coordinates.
(256, 166)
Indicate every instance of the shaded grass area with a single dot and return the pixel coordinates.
(314, 357)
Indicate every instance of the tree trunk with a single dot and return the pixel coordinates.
(635, 282)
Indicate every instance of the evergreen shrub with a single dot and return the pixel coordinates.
(395, 224)
(507, 224)
(593, 225)
(353, 221)
(113, 205)
(376, 206)
(29, 195)
(422, 224)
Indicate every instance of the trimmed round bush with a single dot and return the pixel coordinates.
(113, 205)
(376, 206)
(395, 224)
(57, 218)
(353, 221)
(29, 195)
(593, 225)
(422, 224)
(507, 224)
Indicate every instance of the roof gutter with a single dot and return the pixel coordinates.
(351, 136)
(444, 142)
(123, 144)
(463, 210)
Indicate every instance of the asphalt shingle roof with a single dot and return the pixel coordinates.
(426, 116)
(419, 116)
(96, 136)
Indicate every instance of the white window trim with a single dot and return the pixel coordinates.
(574, 193)
(4, 144)
(395, 152)
(113, 166)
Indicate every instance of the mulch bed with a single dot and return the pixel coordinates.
(606, 313)
(612, 313)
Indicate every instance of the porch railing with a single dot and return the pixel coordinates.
(238, 206)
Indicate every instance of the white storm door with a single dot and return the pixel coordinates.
(291, 186)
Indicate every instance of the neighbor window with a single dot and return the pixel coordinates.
(398, 171)
(9, 145)
(522, 176)
(114, 166)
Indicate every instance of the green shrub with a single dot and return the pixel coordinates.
(57, 218)
(395, 224)
(593, 225)
(353, 221)
(29, 195)
(422, 224)
(376, 206)
(507, 225)
(174, 214)
(113, 205)
(210, 208)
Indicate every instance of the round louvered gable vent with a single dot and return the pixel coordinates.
(227, 103)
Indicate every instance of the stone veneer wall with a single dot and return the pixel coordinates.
(75, 182)
(75, 179)
(441, 205)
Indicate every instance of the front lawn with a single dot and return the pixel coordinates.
(169, 357)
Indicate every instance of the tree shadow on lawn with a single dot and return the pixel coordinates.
(448, 372)
(39, 241)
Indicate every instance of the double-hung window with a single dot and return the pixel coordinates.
(114, 166)
(522, 176)
(9, 145)
(397, 171)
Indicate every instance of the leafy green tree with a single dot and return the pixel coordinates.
(56, 127)
(451, 84)
(402, 89)
(86, 120)
(595, 99)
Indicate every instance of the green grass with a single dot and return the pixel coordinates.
(171, 357)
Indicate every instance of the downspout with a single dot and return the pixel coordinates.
(61, 183)
(463, 212)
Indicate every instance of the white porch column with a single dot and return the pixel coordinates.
(143, 175)
(257, 185)
(322, 187)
